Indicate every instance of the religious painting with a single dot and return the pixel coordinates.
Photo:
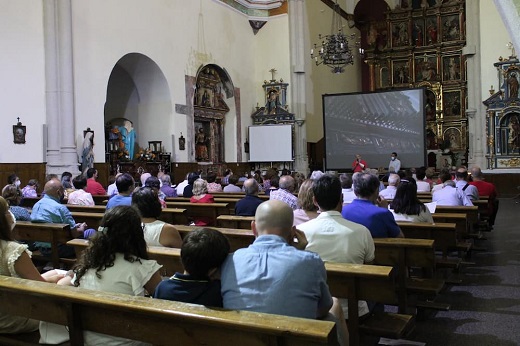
(425, 67)
(452, 103)
(430, 105)
(19, 132)
(400, 34)
(377, 36)
(451, 68)
(202, 141)
(418, 33)
(401, 71)
(431, 139)
(513, 136)
(450, 27)
(512, 81)
(452, 139)
(431, 31)
(384, 75)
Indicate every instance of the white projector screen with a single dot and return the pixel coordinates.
(270, 143)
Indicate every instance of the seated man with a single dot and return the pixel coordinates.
(389, 192)
(125, 185)
(247, 205)
(285, 192)
(449, 194)
(486, 189)
(274, 275)
(334, 238)
(93, 187)
(422, 185)
(166, 186)
(346, 188)
(370, 210)
(202, 253)
(49, 210)
(232, 187)
(461, 183)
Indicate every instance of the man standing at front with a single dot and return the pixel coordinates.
(273, 275)
(395, 165)
(359, 164)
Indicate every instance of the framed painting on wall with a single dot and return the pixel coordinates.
(450, 28)
(452, 104)
(451, 68)
(401, 71)
(425, 67)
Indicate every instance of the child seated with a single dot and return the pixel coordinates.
(202, 253)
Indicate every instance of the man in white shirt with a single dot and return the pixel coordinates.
(346, 188)
(449, 194)
(182, 185)
(462, 184)
(389, 192)
(395, 165)
(422, 186)
(334, 238)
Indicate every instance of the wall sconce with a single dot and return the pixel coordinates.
(246, 146)
(182, 143)
(19, 131)
(299, 122)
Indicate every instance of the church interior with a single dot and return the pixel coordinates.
(173, 86)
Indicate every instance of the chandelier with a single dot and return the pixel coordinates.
(334, 50)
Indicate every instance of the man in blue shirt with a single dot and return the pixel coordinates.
(247, 205)
(369, 209)
(49, 210)
(125, 185)
(273, 275)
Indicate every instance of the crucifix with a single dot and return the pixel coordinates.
(18, 119)
(273, 71)
(511, 47)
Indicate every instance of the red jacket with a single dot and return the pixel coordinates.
(94, 188)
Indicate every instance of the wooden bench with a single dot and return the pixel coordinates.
(100, 199)
(231, 201)
(195, 210)
(407, 253)
(154, 321)
(87, 209)
(29, 202)
(355, 282)
(53, 233)
(169, 215)
(238, 238)
(234, 221)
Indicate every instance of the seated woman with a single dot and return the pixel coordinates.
(406, 206)
(15, 261)
(201, 195)
(307, 210)
(212, 185)
(155, 184)
(30, 190)
(12, 196)
(116, 261)
(156, 232)
(80, 196)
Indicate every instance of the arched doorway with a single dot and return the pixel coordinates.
(139, 103)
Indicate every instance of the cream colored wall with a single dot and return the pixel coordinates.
(22, 79)
(320, 80)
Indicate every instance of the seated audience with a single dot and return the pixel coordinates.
(486, 189)
(12, 180)
(212, 185)
(79, 196)
(461, 183)
(225, 179)
(180, 187)
(66, 181)
(268, 275)
(202, 253)
(334, 238)
(93, 187)
(112, 188)
(438, 185)
(369, 209)
(12, 196)
(49, 210)
(430, 172)
(15, 261)
(422, 185)
(285, 192)
(231, 187)
(346, 188)
(125, 186)
(307, 210)
(30, 190)
(143, 178)
(156, 232)
(155, 183)
(393, 182)
(449, 194)
(201, 195)
(247, 205)
(166, 187)
(116, 261)
(188, 190)
(406, 206)
(274, 184)
(316, 175)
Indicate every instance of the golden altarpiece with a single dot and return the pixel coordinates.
(503, 116)
(420, 45)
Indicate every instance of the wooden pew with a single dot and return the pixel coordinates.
(404, 254)
(54, 233)
(355, 282)
(209, 210)
(86, 209)
(169, 215)
(100, 199)
(234, 221)
(29, 202)
(154, 321)
(238, 238)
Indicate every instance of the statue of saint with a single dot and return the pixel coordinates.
(512, 82)
(128, 138)
(201, 146)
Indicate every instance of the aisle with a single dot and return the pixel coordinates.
(486, 306)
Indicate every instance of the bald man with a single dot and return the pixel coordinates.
(285, 192)
(50, 210)
(273, 275)
(247, 206)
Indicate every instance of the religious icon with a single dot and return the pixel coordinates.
(201, 145)
(182, 142)
(19, 131)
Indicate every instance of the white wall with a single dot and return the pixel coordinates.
(22, 79)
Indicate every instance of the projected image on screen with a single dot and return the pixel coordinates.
(374, 125)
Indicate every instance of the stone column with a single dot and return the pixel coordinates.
(61, 148)
(298, 89)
